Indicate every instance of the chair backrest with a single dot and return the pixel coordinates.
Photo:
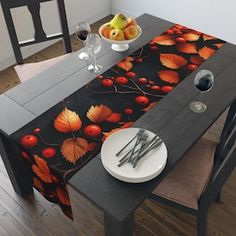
(40, 35)
(225, 158)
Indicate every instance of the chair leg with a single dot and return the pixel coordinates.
(202, 223)
(218, 198)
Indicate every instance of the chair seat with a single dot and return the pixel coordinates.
(185, 184)
(29, 70)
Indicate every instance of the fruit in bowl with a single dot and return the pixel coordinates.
(117, 34)
(120, 31)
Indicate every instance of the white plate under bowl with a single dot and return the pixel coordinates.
(150, 166)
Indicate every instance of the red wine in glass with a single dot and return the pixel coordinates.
(82, 35)
(203, 82)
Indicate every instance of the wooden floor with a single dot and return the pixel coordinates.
(36, 216)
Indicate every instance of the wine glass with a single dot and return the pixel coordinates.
(203, 82)
(94, 45)
(82, 31)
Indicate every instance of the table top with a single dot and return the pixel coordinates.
(171, 119)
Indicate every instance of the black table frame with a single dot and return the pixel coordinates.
(171, 119)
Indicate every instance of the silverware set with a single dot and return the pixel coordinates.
(137, 148)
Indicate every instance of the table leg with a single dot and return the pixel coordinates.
(114, 227)
(21, 182)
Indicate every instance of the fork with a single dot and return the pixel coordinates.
(140, 132)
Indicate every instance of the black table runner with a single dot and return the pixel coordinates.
(62, 140)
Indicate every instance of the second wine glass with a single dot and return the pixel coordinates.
(203, 82)
(82, 31)
(94, 45)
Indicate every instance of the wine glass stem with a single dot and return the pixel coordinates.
(200, 98)
(94, 59)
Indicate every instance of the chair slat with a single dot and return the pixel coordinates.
(20, 3)
(33, 41)
(34, 8)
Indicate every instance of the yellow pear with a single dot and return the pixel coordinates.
(119, 21)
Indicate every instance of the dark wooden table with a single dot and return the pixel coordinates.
(171, 119)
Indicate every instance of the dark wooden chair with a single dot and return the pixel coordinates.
(199, 177)
(26, 71)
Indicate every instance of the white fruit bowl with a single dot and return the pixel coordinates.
(120, 46)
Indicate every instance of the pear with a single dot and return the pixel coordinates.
(119, 21)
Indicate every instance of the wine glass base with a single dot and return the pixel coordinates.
(120, 47)
(198, 107)
(95, 68)
(84, 56)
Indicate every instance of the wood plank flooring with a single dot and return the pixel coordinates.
(36, 216)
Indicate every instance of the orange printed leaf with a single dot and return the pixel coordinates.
(42, 175)
(166, 40)
(126, 64)
(206, 52)
(42, 164)
(196, 60)
(98, 114)
(172, 61)
(208, 37)
(38, 184)
(149, 107)
(63, 196)
(187, 48)
(73, 149)
(219, 45)
(67, 121)
(191, 36)
(169, 76)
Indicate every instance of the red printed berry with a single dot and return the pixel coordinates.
(114, 118)
(166, 89)
(128, 111)
(130, 74)
(148, 86)
(100, 77)
(92, 131)
(180, 40)
(156, 88)
(142, 80)
(48, 152)
(121, 80)
(169, 31)
(28, 141)
(107, 82)
(92, 146)
(154, 48)
(37, 130)
(139, 60)
(25, 155)
(151, 82)
(141, 100)
(192, 67)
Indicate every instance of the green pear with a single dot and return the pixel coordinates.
(119, 21)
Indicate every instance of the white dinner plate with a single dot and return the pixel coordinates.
(150, 166)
